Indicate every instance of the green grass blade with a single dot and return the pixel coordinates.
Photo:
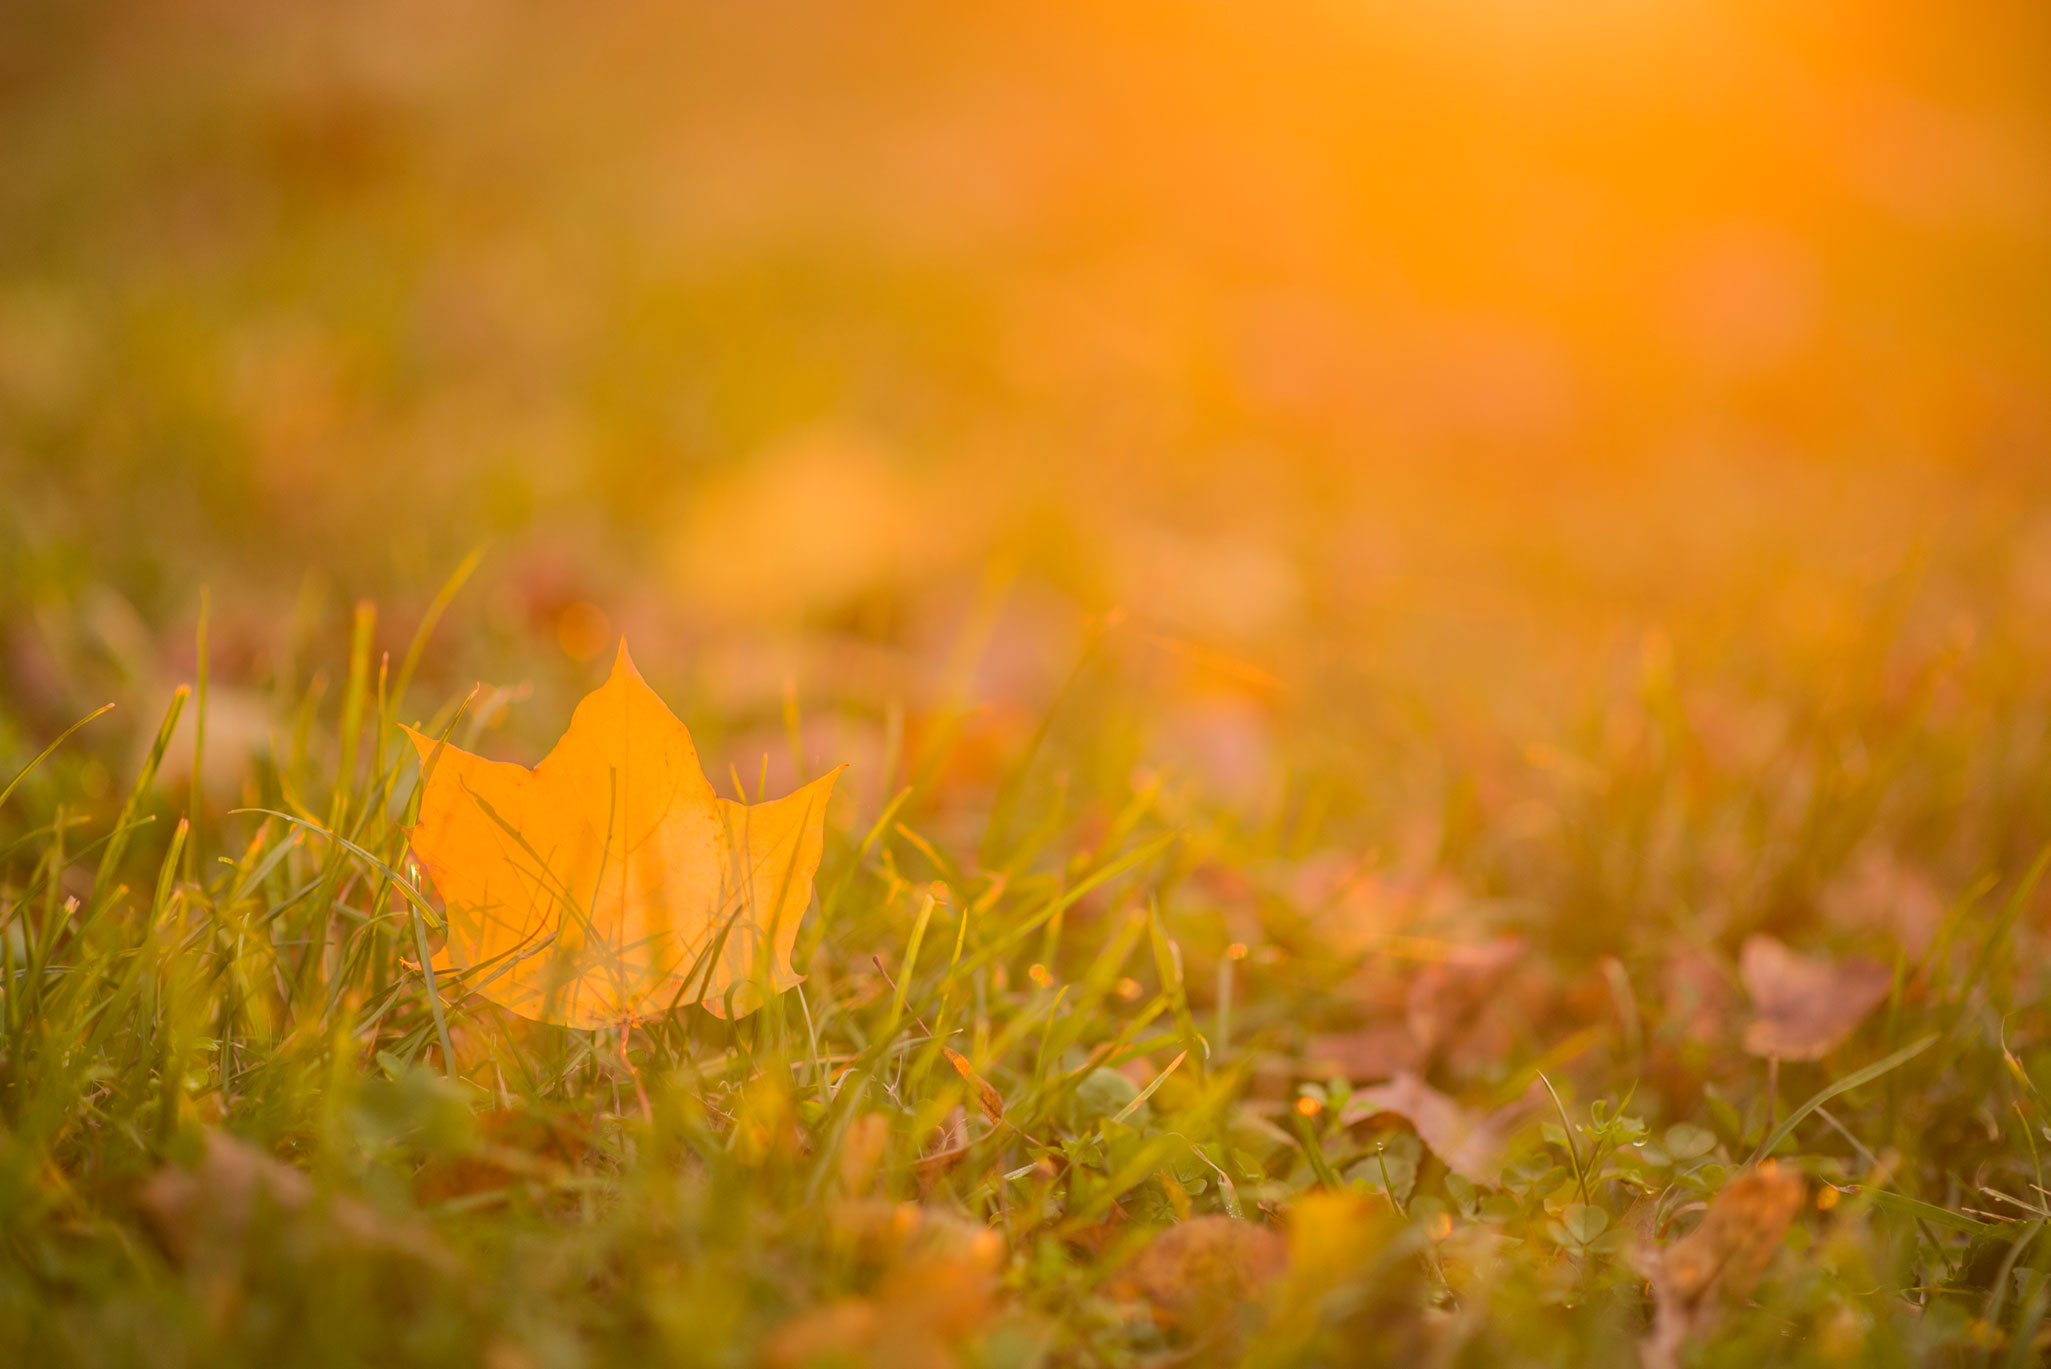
(1844, 1085)
(47, 752)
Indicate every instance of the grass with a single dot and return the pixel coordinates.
(1028, 1045)
(1577, 496)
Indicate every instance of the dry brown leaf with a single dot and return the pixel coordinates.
(988, 1099)
(514, 1146)
(1447, 994)
(877, 1231)
(1878, 891)
(851, 1332)
(205, 1213)
(1806, 1006)
(1468, 1145)
(935, 1290)
(610, 883)
(1721, 1261)
(1195, 1276)
(946, 1146)
(1363, 1056)
(918, 1318)
(1356, 908)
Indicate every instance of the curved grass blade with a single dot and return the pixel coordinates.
(380, 866)
(47, 751)
(1889, 1201)
(1844, 1085)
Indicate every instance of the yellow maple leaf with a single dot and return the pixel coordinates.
(610, 884)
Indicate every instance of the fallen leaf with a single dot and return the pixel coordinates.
(1878, 891)
(1195, 1275)
(610, 883)
(934, 1289)
(1448, 994)
(1469, 1145)
(1806, 1006)
(1357, 910)
(204, 1213)
(920, 1317)
(944, 1148)
(878, 1231)
(988, 1099)
(1362, 1056)
(514, 1147)
(1721, 1261)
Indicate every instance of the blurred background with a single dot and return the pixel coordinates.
(1435, 414)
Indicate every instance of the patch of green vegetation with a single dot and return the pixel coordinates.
(1146, 979)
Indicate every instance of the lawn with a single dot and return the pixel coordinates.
(1441, 639)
